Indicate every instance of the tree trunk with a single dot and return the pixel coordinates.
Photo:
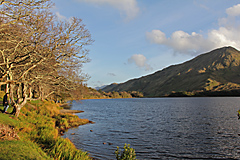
(16, 110)
(19, 93)
(18, 106)
(40, 93)
(30, 93)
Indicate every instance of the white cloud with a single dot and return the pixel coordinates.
(226, 35)
(126, 7)
(156, 36)
(140, 60)
(180, 41)
(234, 11)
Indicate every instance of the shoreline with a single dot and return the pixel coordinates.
(42, 123)
(70, 111)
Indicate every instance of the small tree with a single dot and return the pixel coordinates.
(127, 154)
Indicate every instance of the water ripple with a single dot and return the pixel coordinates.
(160, 128)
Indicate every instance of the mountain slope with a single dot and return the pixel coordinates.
(213, 71)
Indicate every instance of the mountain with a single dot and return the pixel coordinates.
(101, 87)
(215, 71)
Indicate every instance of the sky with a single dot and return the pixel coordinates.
(135, 38)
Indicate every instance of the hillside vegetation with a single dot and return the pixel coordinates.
(90, 93)
(213, 73)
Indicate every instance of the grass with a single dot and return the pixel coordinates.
(64, 149)
(22, 150)
(39, 127)
(5, 119)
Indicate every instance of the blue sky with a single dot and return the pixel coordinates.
(134, 38)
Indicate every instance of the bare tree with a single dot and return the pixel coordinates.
(37, 50)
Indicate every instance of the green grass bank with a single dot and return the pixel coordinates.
(36, 133)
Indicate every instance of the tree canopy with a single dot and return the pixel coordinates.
(39, 53)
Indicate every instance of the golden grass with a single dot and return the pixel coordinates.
(41, 123)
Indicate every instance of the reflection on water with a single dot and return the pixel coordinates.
(160, 128)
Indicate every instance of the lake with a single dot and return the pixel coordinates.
(160, 128)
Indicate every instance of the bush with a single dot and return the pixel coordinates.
(127, 154)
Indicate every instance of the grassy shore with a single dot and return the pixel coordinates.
(35, 134)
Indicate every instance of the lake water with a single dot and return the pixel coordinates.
(160, 128)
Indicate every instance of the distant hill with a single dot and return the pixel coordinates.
(101, 87)
(217, 71)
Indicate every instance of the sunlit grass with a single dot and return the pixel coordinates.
(39, 126)
(21, 150)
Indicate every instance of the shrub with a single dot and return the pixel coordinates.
(128, 153)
